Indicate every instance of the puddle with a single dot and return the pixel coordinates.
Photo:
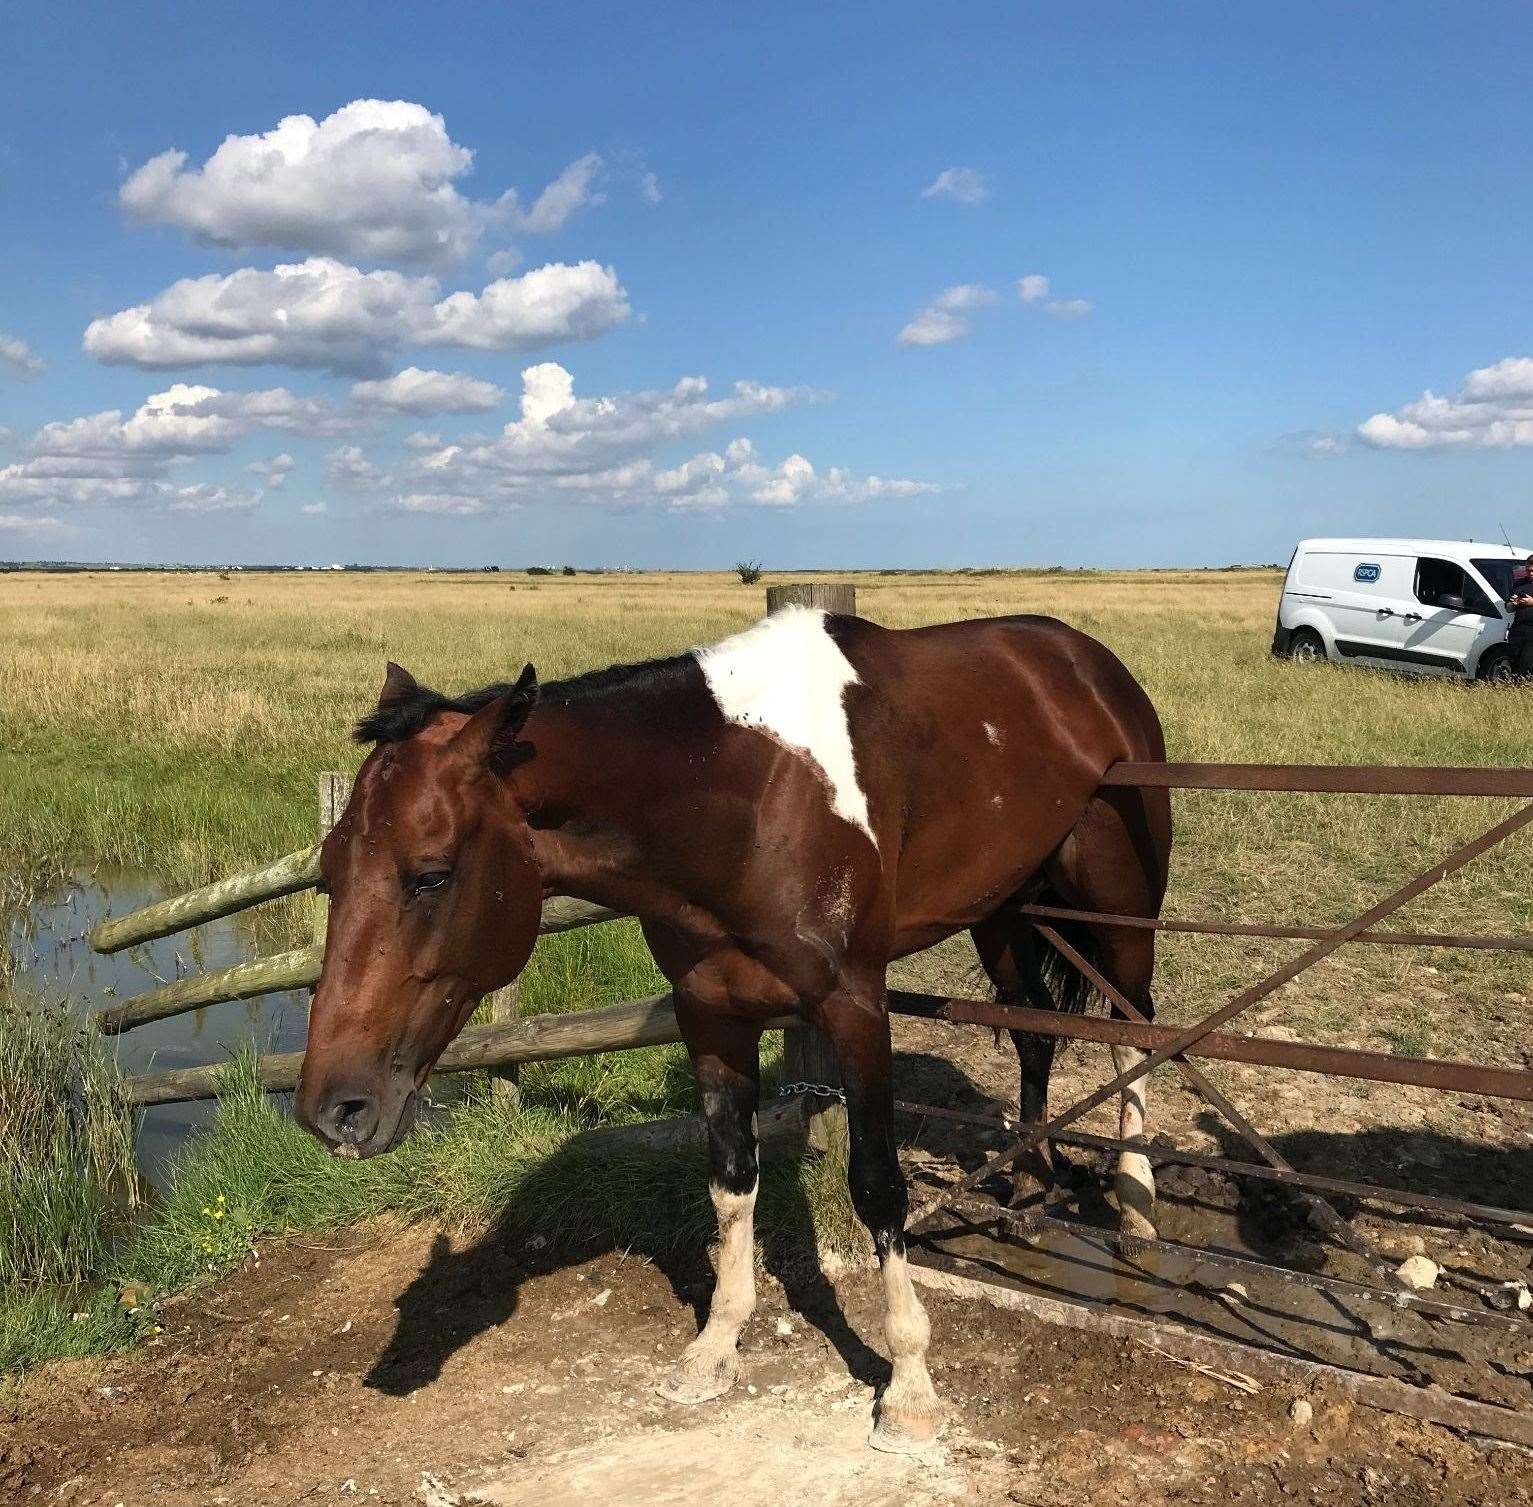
(53, 961)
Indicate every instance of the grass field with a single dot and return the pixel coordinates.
(176, 723)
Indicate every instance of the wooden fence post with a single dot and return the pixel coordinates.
(334, 792)
(806, 1051)
(831, 596)
(504, 1007)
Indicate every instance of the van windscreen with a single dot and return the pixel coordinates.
(1498, 572)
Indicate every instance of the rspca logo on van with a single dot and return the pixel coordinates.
(1367, 574)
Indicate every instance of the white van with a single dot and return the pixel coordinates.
(1431, 606)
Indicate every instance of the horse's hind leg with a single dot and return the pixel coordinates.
(726, 1058)
(1008, 953)
(1114, 861)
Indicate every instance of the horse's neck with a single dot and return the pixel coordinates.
(590, 792)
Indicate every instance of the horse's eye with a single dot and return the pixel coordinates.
(432, 879)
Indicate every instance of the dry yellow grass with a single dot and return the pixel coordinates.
(176, 723)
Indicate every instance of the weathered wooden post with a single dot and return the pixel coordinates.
(830, 596)
(334, 792)
(504, 1007)
(806, 1051)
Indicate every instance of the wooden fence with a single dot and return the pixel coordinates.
(499, 1047)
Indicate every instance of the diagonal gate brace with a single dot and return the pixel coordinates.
(1322, 949)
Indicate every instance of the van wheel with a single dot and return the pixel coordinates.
(1306, 647)
(1496, 668)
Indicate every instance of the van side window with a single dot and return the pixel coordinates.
(1444, 585)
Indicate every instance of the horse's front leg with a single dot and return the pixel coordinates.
(857, 1022)
(726, 1058)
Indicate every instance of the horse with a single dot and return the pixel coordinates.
(785, 811)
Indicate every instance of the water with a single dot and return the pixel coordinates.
(53, 961)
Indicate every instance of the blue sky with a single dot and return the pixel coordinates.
(1267, 233)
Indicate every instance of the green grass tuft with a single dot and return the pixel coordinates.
(67, 1175)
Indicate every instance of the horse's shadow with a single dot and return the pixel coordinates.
(460, 1294)
(1410, 1160)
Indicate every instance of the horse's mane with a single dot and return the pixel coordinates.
(405, 716)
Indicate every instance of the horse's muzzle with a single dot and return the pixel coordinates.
(354, 1121)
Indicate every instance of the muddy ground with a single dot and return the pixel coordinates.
(396, 1366)
(399, 1365)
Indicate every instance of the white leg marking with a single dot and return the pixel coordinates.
(908, 1410)
(1135, 1182)
(709, 1365)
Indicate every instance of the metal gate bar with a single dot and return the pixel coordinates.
(1296, 933)
(1326, 779)
(973, 1208)
(1441, 1073)
(1319, 1209)
(1507, 782)
(1426, 1201)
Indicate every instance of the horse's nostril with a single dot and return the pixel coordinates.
(351, 1121)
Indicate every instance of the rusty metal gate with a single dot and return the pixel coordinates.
(1175, 1045)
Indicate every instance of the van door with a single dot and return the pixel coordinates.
(1452, 613)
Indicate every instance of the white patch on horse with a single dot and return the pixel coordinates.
(994, 734)
(787, 677)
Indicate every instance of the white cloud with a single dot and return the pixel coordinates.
(42, 527)
(104, 458)
(19, 356)
(551, 210)
(1069, 308)
(422, 439)
(377, 181)
(947, 317)
(649, 188)
(1033, 290)
(423, 392)
(322, 313)
(960, 184)
(506, 260)
(603, 450)
(204, 497)
(348, 466)
(1492, 410)
(274, 471)
(313, 509)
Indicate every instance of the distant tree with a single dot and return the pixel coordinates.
(539, 570)
(567, 570)
(749, 571)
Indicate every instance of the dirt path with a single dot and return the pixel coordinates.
(397, 1366)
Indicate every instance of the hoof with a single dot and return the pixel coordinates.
(693, 1382)
(904, 1432)
(1134, 1226)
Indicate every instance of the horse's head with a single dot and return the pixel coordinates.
(434, 902)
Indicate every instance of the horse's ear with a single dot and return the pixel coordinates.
(398, 685)
(489, 736)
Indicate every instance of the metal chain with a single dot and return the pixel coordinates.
(819, 1090)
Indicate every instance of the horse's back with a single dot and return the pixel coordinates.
(987, 741)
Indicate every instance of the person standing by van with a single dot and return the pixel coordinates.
(1519, 637)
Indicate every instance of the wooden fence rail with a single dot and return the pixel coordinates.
(298, 969)
(539, 1038)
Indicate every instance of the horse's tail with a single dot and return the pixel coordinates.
(1052, 981)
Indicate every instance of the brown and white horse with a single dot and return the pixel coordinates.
(785, 811)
